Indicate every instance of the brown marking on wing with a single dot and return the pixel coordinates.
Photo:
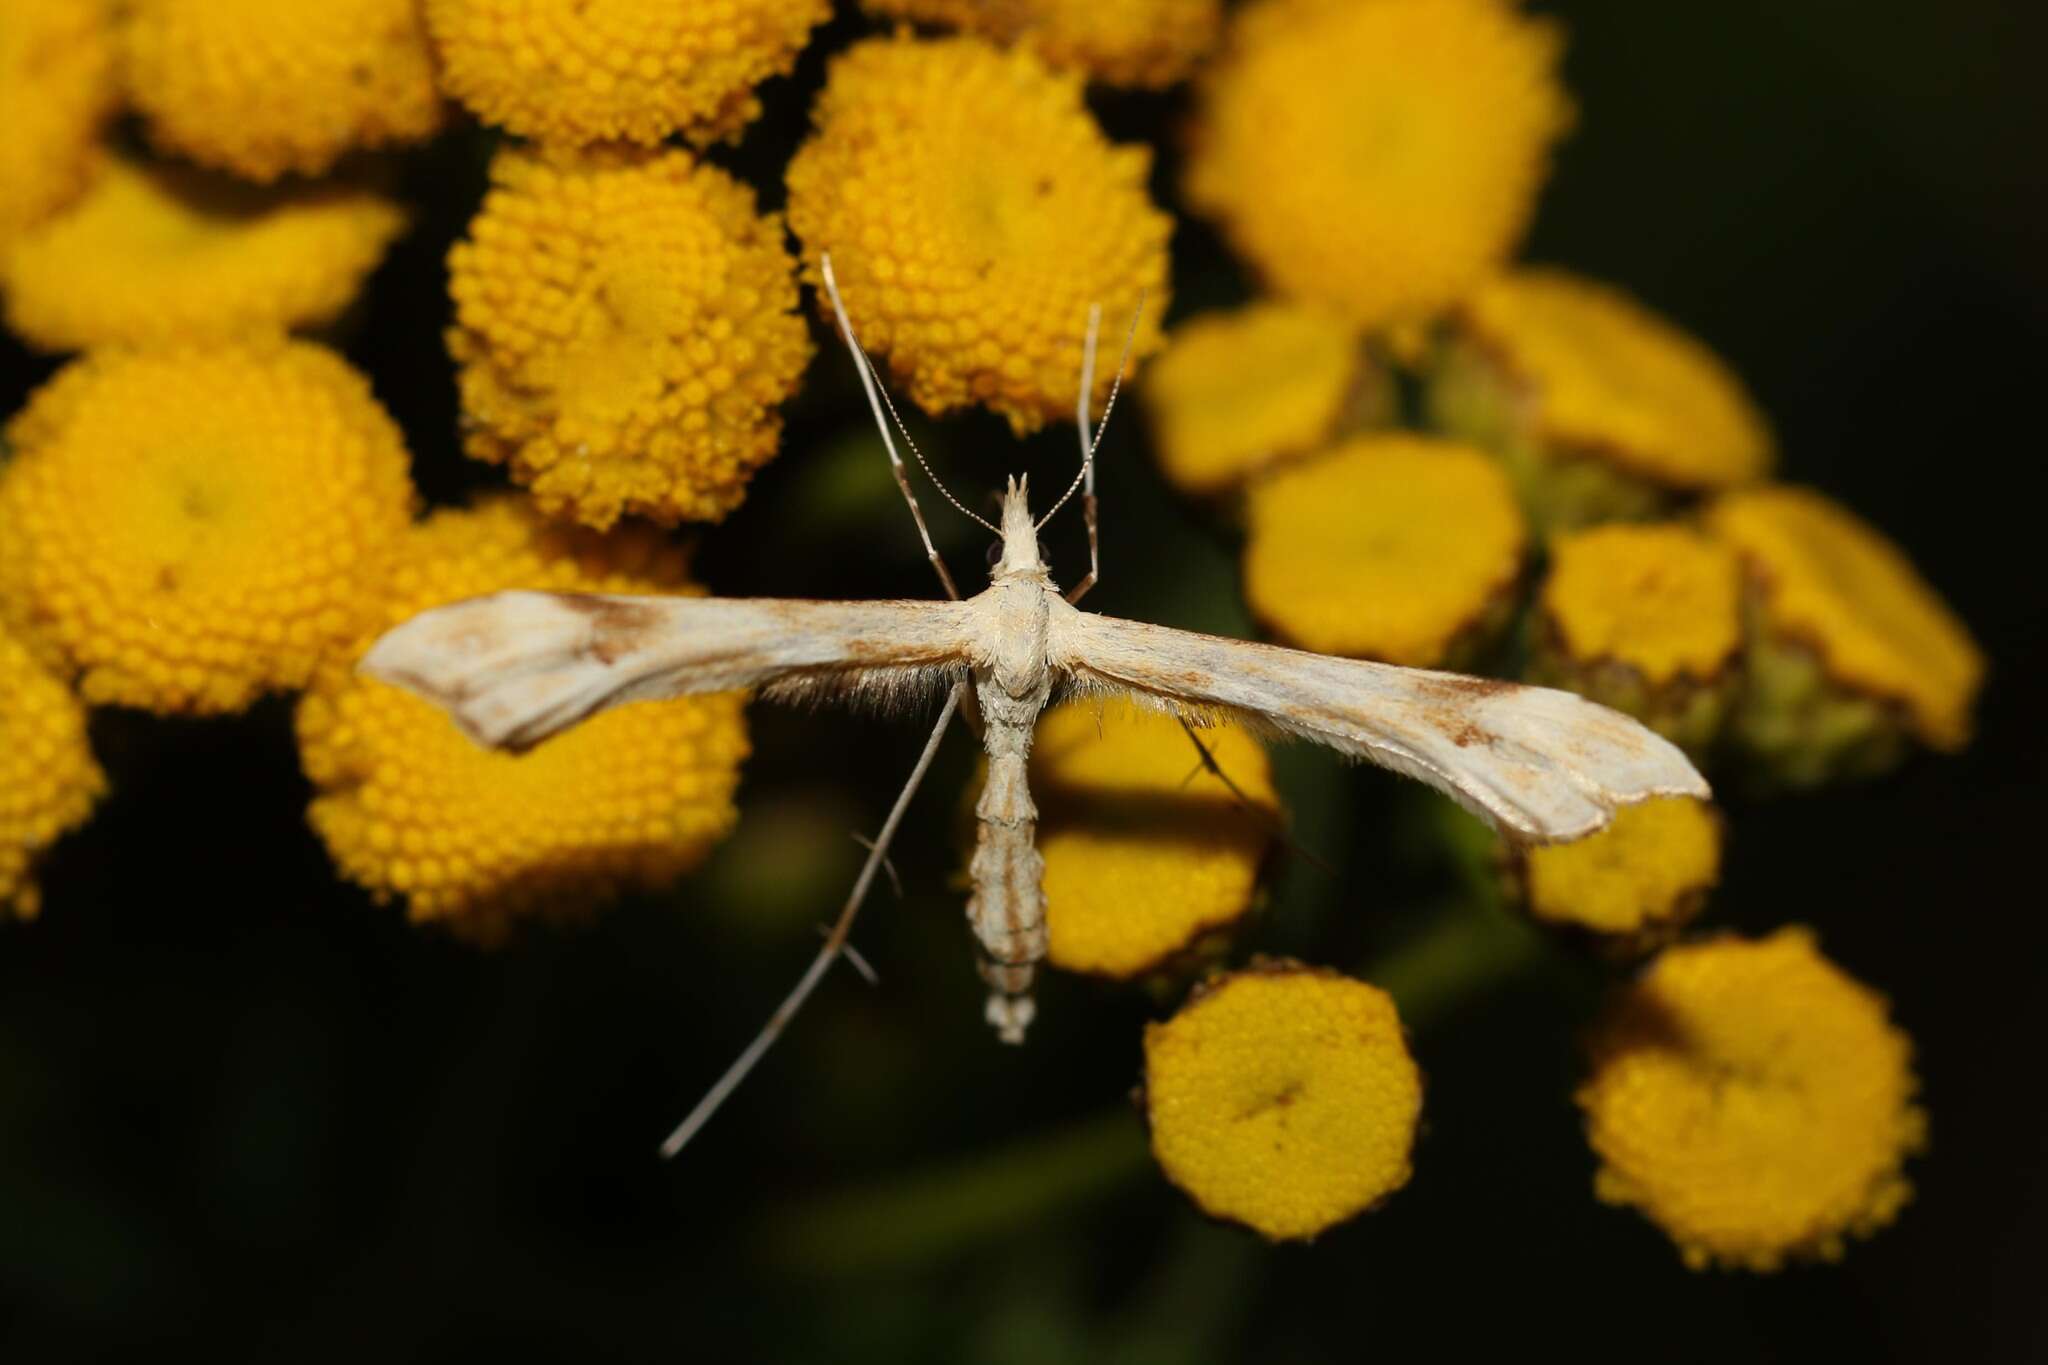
(617, 627)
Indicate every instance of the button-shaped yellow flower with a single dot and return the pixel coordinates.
(1132, 42)
(48, 779)
(408, 806)
(57, 87)
(1382, 156)
(187, 529)
(1637, 881)
(626, 325)
(974, 211)
(1753, 1101)
(585, 71)
(157, 254)
(1283, 1098)
(262, 87)
(1393, 547)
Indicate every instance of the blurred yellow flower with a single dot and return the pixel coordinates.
(625, 324)
(1395, 547)
(48, 779)
(1146, 852)
(166, 253)
(974, 211)
(583, 71)
(262, 87)
(1132, 42)
(1378, 156)
(1283, 1098)
(57, 88)
(409, 806)
(187, 529)
(1753, 1101)
(1637, 881)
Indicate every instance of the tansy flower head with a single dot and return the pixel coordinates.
(190, 528)
(1133, 42)
(1381, 156)
(409, 806)
(1851, 647)
(262, 87)
(161, 253)
(583, 71)
(1146, 851)
(57, 88)
(1236, 392)
(48, 779)
(1393, 547)
(1635, 882)
(974, 211)
(1283, 1098)
(1752, 1100)
(625, 323)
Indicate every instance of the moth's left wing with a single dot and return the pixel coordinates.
(1543, 764)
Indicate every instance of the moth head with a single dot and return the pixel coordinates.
(1021, 557)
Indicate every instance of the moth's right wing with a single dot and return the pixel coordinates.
(516, 667)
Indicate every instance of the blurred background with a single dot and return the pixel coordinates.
(244, 1108)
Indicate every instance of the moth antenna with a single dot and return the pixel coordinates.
(1088, 446)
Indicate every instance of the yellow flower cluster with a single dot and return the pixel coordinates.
(48, 779)
(1150, 43)
(263, 87)
(192, 527)
(626, 324)
(1637, 881)
(573, 71)
(57, 87)
(157, 254)
(408, 806)
(974, 211)
(1380, 156)
(1753, 1101)
(1283, 1098)
(1145, 851)
(1395, 547)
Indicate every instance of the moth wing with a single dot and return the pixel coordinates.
(513, 668)
(1543, 764)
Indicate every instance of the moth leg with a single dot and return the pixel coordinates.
(1080, 590)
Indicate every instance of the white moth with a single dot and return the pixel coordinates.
(514, 668)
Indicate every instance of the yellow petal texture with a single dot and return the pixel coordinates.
(263, 87)
(1664, 600)
(57, 88)
(1238, 391)
(1283, 1098)
(1835, 585)
(1598, 374)
(190, 528)
(1150, 43)
(48, 779)
(974, 211)
(1753, 1101)
(408, 806)
(163, 253)
(1145, 850)
(1645, 874)
(582, 71)
(625, 324)
(1378, 156)
(1390, 547)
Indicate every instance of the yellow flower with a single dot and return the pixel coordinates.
(1236, 392)
(1394, 547)
(1132, 42)
(974, 211)
(161, 253)
(57, 88)
(1378, 156)
(1145, 851)
(625, 325)
(1283, 1098)
(1639, 880)
(48, 779)
(582, 71)
(262, 87)
(1754, 1102)
(408, 806)
(190, 528)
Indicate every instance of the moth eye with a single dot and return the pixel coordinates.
(995, 553)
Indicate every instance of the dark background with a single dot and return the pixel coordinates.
(242, 1106)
